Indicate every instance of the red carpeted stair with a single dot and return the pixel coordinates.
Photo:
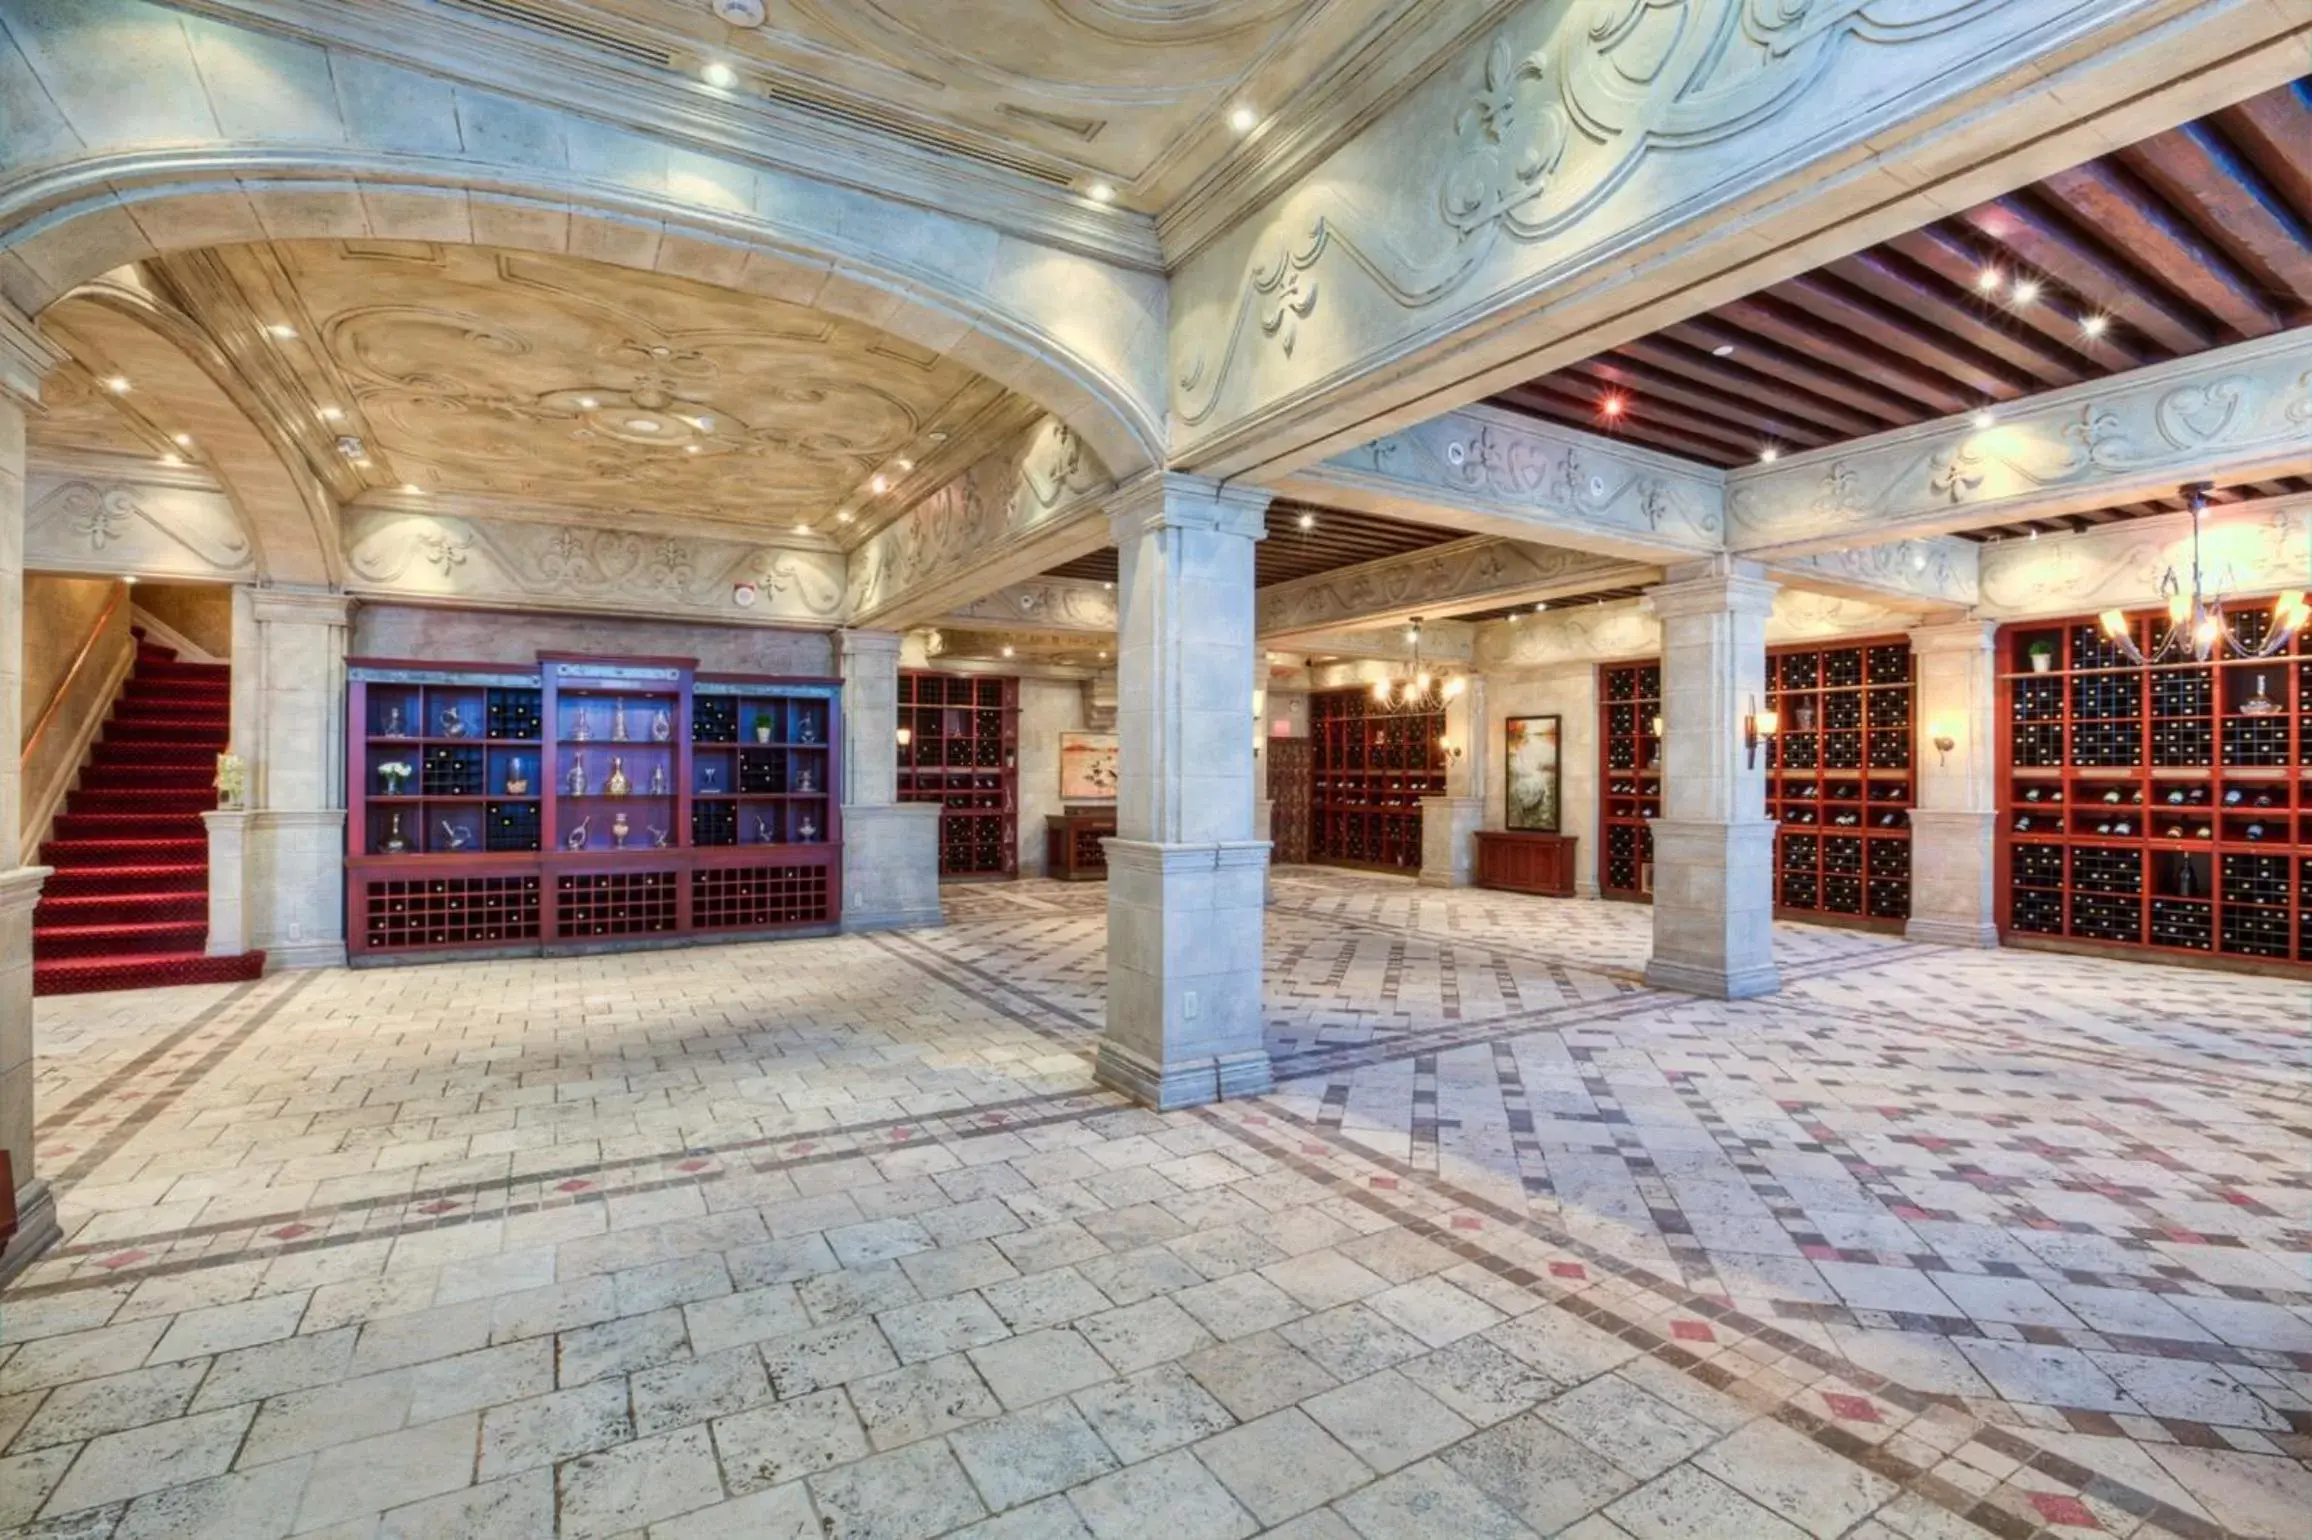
(127, 906)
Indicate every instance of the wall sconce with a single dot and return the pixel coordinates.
(1449, 748)
(1944, 741)
(906, 736)
(1757, 727)
(1660, 724)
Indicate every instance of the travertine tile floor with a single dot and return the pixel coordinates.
(836, 1239)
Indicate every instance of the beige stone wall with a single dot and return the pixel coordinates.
(58, 612)
(201, 613)
(1048, 707)
(492, 636)
(1569, 691)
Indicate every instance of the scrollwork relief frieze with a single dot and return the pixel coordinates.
(74, 523)
(2122, 564)
(442, 556)
(1466, 572)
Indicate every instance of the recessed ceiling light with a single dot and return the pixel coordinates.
(1722, 350)
(705, 424)
(183, 440)
(1983, 419)
(879, 484)
(802, 526)
(172, 459)
(1244, 120)
(1769, 454)
(1611, 404)
(1101, 192)
(118, 384)
(690, 449)
(1308, 521)
(842, 515)
(641, 425)
(129, 579)
(333, 414)
(904, 465)
(587, 403)
(1007, 649)
(413, 489)
(1103, 652)
(1987, 279)
(281, 331)
(719, 75)
(936, 436)
(1540, 605)
(2026, 290)
(2095, 325)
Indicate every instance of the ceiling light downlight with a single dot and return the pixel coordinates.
(718, 74)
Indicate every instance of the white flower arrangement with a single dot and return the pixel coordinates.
(232, 780)
(394, 772)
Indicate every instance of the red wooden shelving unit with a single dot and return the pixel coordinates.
(1630, 757)
(731, 823)
(1838, 781)
(962, 756)
(1370, 766)
(2143, 809)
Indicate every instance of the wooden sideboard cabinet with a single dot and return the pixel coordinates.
(1072, 844)
(1526, 863)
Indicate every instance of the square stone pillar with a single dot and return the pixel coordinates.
(1713, 844)
(1187, 878)
(890, 848)
(294, 862)
(1449, 824)
(25, 358)
(228, 881)
(1955, 820)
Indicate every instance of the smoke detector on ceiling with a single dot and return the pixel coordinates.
(740, 13)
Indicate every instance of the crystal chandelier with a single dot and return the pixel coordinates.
(2197, 626)
(1416, 683)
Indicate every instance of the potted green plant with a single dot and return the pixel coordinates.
(2042, 655)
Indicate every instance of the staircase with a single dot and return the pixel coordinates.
(127, 906)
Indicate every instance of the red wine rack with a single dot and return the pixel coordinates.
(1370, 766)
(1838, 781)
(1629, 701)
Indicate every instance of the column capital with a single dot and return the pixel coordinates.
(1722, 583)
(1175, 500)
(26, 356)
(1963, 636)
(868, 644)
(300, 606)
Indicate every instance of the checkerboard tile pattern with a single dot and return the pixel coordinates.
(838, 1238)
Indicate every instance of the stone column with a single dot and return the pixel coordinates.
(1186, 877)
(1713, 844)
(294, 864)
(1954, 821)
(25, 357)
(890, 848)
(228, 881)
(1449, 824)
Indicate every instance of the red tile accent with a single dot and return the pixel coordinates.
(1852, 1408)
(1692, 1331)
(693, 1165)
(438, 1206)
(2063, 1508)
(1568, 1270)
(575, 1184)
(290, 1232)
(123, 1258)
(1465, 1222)
(1388, 1183)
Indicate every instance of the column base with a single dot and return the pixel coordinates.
(36, 1229)
(229, 881)
(295, 893)
(1953, 865)
(1586, 887)
(1185, 929)
(1448, 840)
(1714, 908)
(891, 867)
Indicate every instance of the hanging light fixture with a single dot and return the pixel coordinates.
(2197, 626)
(1417, 683)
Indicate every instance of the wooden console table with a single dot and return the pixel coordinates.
(1526, 863)
(1072, 844)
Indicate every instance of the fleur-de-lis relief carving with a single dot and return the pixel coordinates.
(1838, 493)
(2300, 409)
(2097, 433)
(670, 565)
(1286, 291)
(445, 549)
(1508, 150)
(99, 518)
(1954, 474)
(565, 555)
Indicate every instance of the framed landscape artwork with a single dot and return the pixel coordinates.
(1087, 767)
(1529, 795)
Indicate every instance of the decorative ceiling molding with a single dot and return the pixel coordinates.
(1498, 473)
(1029, 507)
(441, 559)
(106, 515)
(1443, 641)
(952, 645)
(1597, 633)
(26, 356)
(1936, 573)
(1545, 193)
(2231, 415)
(1048, 605)
(787, 131)
(1474, 574)
(2257, 548)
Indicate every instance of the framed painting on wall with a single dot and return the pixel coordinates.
(1529, 794)
(1087, 767)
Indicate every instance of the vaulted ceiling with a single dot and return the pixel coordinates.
(1128, 93)
(550, 387)
(2193, 238)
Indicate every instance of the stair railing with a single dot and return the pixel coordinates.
(41, 803)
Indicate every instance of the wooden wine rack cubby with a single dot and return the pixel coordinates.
(1838, 781)
(1629, 698)
(962, 756)
(1371, 764)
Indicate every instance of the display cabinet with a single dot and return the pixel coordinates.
(588, 803)
(959, 751)
(2165, 809)
(1630, 748)
(1073, 851)
(1838, 781)
(1371, 763)
(1520, 862)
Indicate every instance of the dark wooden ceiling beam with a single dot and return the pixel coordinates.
(2274, 132)
(1707, 333)
(2108, 198)
(1721, 420)
(2036, 239)
(1633, 366)
(1541, 398)
(1728, 379)
(1930, 394)
(1915, 337)
(2196, 169)
(1963, 313)
(1950, 257)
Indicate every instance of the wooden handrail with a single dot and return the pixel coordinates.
(79, 662)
